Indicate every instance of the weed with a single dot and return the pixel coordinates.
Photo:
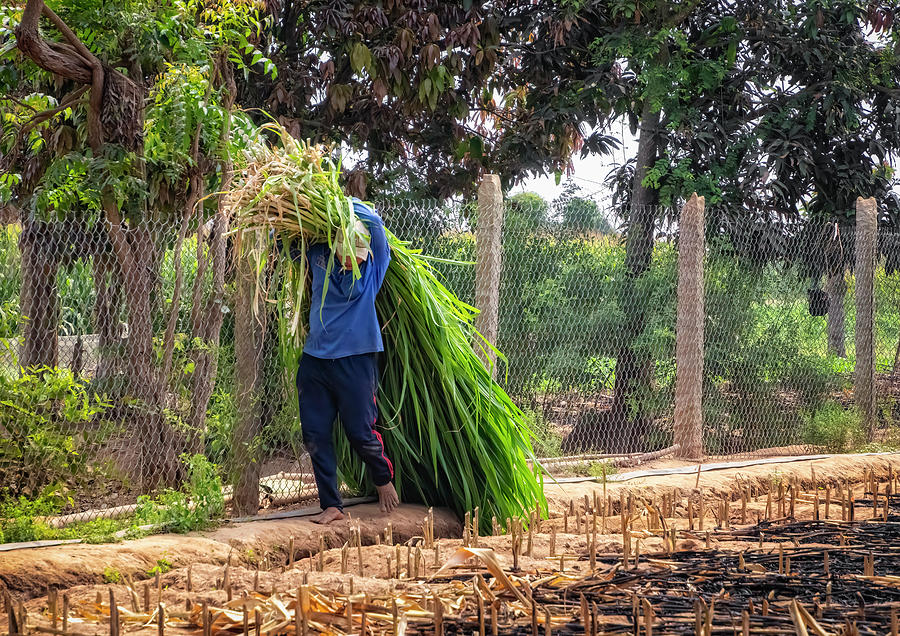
(111, 575)
(601, 470)
(94, 531)
(20, 517)
(162, 566)
(22, 520)
(135, 532)
(195, 507)
(776, 478)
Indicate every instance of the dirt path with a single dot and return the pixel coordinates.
(32, 572)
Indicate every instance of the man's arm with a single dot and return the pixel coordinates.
(378, 243)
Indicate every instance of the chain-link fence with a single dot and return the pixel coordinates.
(577, 296)
(587, 323)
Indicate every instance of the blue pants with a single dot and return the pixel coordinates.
(345, 387)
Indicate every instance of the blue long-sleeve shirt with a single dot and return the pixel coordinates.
(346, 324)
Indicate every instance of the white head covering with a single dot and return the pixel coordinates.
(361, 249)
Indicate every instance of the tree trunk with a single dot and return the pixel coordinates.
(633, 366)
(107, 300)
(836, 289)
(194, 193)
(39, 299)
(160, 461)
(133, 249)
(207, 323)
(207, 329)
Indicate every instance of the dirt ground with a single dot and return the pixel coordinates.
(727, 482)
(239, 558)
(32, 572)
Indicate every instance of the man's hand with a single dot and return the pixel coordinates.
(387, 497)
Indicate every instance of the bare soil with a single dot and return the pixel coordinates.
(32, 572)
(253, 558)
(725, 482)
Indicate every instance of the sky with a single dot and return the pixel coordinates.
(589, 174)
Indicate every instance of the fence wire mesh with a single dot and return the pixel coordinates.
(108, 407)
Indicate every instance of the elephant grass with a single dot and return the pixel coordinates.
(454, 436)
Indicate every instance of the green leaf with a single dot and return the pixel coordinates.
(9, 46)
(461, 149)
(360, 57)
(476, 147)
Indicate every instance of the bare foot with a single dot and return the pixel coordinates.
(328, 516)
(387, 497)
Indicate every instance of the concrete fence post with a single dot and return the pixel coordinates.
(488, 265)
(689, 327)
(249, 331)
(866, 228)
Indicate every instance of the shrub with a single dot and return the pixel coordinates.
(833, 427)
(194, 507)
(51, 424)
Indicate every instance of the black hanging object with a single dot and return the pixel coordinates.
(818, 302)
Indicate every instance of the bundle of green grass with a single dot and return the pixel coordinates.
(455, 437)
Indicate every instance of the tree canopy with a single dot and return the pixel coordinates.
(766, 108)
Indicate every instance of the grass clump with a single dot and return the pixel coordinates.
(602, 470)
(834, 428)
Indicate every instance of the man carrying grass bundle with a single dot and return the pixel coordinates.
(456, 438)
(338, 373)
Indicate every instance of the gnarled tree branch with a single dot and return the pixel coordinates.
(62, 59)
(116, 101)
